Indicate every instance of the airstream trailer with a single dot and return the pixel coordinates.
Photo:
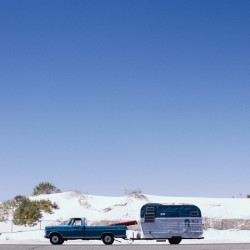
(172, 222)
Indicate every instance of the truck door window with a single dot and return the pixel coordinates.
(77, 223)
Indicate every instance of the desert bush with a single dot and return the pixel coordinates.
(107, 209)
(27, 212)
(45, 188)
(83, 200)
(46, 206)
(19, 199)
(135, 194)
(8, 207)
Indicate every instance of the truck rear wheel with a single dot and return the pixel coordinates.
(175, 240)
(56, 239)
(108, 239)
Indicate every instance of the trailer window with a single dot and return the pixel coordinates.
(168, 211)
(150, 209)
(194, 213)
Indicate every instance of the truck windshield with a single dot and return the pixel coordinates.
(65, 222)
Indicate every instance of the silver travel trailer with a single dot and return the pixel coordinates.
(172, 222)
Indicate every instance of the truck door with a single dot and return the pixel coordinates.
(77, 229)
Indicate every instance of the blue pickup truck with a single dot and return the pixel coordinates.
(77, 228)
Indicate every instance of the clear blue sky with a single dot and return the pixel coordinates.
(101, 96)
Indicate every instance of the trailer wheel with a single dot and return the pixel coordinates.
(56, 239)
(175, 240)
(108, 239)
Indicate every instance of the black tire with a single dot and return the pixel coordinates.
(108, 239)
(56, 239)
(175, 240)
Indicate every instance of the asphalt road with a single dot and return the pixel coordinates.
(132, 247)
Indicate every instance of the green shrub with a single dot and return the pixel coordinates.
(19, 199)
(45, 188)
(46, 206)
(27, 213)
(8, 207)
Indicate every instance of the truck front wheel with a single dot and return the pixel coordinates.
(108, 239)
(56, 239)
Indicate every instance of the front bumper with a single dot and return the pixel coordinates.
(46, 235)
